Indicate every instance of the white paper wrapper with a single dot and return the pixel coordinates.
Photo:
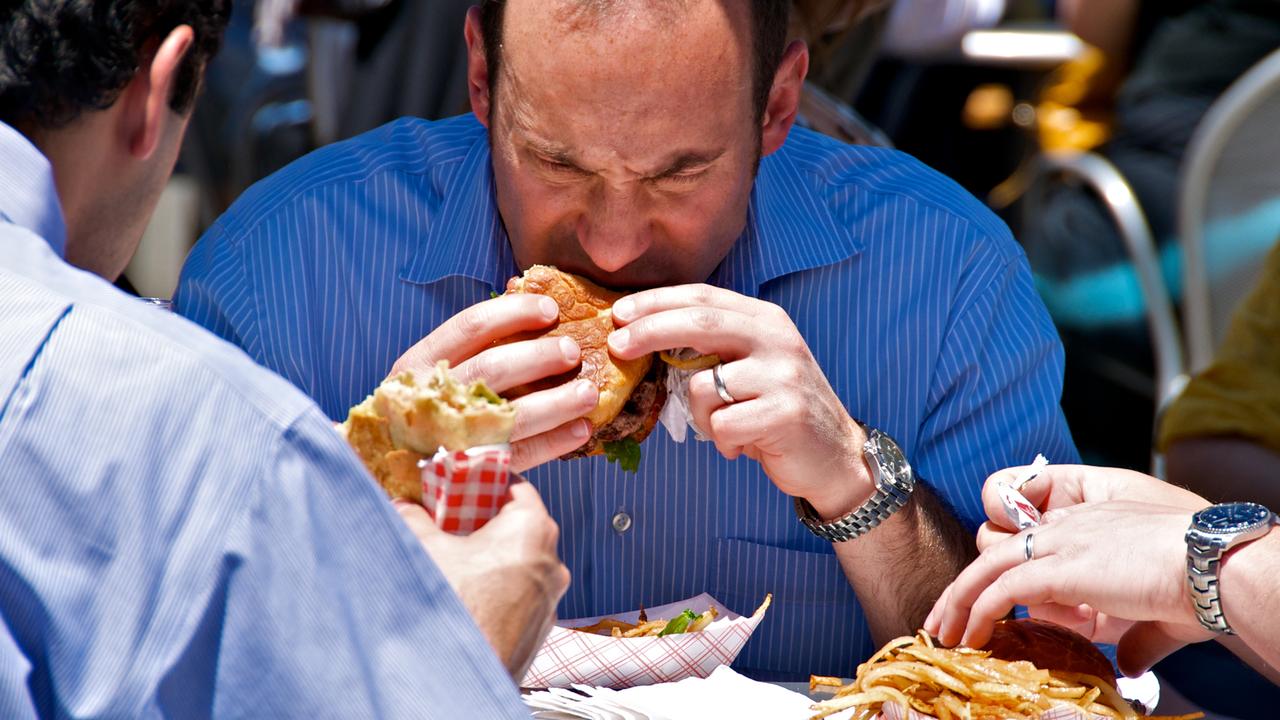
(675, 415)
(568, 656)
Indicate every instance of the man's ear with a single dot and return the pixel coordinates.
(146, 97)
(477, 67)
(784, 97)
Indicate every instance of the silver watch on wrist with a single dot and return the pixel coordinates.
(894, 481)
(1215, 530)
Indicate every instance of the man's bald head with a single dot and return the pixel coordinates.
(768, 28)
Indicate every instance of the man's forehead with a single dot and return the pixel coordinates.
(551, 25)
(626, 53)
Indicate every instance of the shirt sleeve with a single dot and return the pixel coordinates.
(1239, 393)
(997, 389)
(213, 290)
(169, 550)
(330, 607)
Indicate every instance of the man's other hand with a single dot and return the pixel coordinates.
(549, 423)
(784, 415)
(507, 573)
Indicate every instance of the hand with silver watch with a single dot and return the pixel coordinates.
(1122, 558)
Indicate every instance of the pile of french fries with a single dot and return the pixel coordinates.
(952, 683)
(686, 622)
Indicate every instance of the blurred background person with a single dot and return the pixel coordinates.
(1221, 436)
(1166, 62)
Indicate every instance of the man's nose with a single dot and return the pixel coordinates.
(615, 231)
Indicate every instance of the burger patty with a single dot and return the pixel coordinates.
(638, 416)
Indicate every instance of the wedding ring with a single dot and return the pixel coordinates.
(1029, 546)
(721, 390)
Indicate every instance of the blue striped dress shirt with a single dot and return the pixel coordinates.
(182, 533)
(912, 296)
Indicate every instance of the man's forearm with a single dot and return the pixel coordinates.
(1225, 469)
(900, 568)
(1251, 596)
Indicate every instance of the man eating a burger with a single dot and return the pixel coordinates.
(864, 312)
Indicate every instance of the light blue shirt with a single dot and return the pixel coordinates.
(182, 533)
(912, 296)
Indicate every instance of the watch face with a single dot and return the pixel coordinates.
(890, 456)
(1231, 517)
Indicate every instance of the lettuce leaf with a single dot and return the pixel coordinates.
(625, 452)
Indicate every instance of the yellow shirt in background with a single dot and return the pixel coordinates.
(1239, 394)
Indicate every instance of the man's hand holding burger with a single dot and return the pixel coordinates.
(784, 415)
(549, 421)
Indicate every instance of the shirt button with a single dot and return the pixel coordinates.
(621, 522)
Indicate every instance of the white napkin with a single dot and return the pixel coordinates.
(723, 694)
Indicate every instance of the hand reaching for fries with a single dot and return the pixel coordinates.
(1109, 562)
(507, 573)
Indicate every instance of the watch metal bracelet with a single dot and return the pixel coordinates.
(894, 481)
(1204, 561)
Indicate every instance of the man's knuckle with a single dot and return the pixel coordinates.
(472, 322)
(789, 375)
(704, 319)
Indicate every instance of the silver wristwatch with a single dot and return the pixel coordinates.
(1215, 530)
(894, 481)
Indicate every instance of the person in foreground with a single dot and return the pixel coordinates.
(183, 533)
(649, 146)
(1122, 558)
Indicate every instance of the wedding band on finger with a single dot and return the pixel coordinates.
(721, 390)
(1029, 547)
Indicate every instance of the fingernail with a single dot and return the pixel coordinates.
(618, 339)
(928, 621)
(587, 393)
(623, 309)
(548, 307)
(581, 430)
(569, 349)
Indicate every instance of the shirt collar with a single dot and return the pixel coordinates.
(468, 239)
(28, 196)
(790, 228)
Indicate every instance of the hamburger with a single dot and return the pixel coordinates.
(411, 416)
(632, 392)
(1048, 646)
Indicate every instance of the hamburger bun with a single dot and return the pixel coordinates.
(1049, 647)
(409, 417)
(632, 392)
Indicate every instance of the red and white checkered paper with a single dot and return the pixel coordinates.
(568, 656)
(463, 490)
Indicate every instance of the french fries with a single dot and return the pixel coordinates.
(954, 683)
(686, 622)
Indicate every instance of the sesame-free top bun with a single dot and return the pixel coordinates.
(586, 315)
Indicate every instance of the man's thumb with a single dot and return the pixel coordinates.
(417, 518)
